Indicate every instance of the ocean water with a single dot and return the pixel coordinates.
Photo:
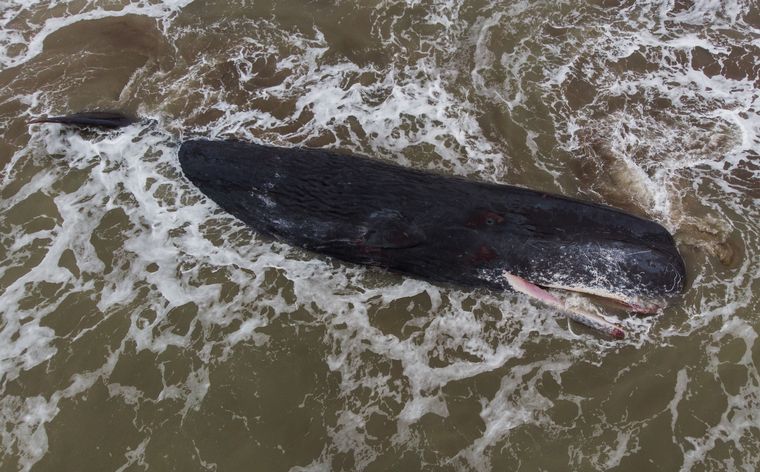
(141, 328)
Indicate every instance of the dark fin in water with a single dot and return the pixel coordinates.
(91, 119)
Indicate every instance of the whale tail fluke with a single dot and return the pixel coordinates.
(91, 119)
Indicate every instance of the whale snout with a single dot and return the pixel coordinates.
(633, 272)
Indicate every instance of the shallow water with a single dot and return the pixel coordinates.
(144, 328)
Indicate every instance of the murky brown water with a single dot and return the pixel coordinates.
(142, 328)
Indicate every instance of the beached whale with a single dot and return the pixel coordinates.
(440, 228)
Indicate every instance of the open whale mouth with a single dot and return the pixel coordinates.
(635, 268)
(632, 304)
(582, 316)
(638, 305)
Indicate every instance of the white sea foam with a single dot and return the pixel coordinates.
(40, 24)
(162, 237)
(665, 160)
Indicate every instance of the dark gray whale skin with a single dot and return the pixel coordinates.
(91, 119)
(440, 228)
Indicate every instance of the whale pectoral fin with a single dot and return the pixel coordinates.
(389, 229)
(589, 319)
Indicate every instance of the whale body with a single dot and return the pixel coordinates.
(435, 227)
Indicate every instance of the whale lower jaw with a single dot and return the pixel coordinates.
(579, 314)
(588, 318)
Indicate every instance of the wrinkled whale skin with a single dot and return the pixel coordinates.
(440, 228)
